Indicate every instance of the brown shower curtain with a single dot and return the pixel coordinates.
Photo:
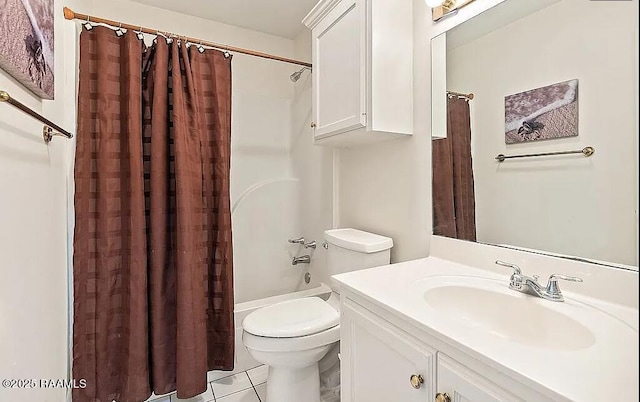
(153, 286)
(454, 209)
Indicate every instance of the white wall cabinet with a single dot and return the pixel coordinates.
(378, 360)
(362, 79)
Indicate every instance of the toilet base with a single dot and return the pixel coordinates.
(293, 384)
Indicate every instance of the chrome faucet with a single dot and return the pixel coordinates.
(529, 284)
(299, 240)
(303, 242)
(303, 259)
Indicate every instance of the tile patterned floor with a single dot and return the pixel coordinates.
(248, 386)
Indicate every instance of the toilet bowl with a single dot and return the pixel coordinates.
(293, 336)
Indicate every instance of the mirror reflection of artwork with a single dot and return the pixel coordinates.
(545, 205)
(542, 114)
(26, 48)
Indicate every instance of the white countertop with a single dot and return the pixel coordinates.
(604, 370)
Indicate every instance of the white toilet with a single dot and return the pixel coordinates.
(291, 337)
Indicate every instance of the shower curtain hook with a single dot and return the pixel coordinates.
(139, 33)
(226, 52)
(87, 25)
(200, 47)
(164, 35)
(119, 31)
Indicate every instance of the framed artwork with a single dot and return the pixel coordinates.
(26, 48)
(542, 113)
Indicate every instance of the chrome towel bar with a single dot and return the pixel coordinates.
(586, 151)
(49, 126)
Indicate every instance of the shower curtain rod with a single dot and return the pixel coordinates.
(71, 15)
(461, 95)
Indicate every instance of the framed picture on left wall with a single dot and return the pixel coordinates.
(26, 43)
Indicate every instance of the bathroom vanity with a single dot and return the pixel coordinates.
(433, 329)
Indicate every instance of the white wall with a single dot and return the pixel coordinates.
(33, 229)
(572, 205)
(313, 165)
(385, 187)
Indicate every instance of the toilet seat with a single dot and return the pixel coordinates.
(293, 325)
(265, 344)
(292, 318)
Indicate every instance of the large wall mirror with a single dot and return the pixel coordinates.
(543, 78)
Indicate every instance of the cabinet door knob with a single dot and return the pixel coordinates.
(416, 381)
(443, 397)
(313, 125)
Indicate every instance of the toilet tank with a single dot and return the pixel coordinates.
(352, 249)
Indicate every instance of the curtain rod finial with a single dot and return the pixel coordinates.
(69, 14)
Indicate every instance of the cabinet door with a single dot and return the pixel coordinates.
(339, 73)
(378, 360)
(465, 385)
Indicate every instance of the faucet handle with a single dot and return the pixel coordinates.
(299, 240)
(515, 281)
(553, 290)
(565, 278)
(516, 269)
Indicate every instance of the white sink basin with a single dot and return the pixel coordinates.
(491, 307)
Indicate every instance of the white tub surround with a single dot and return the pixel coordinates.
(502, 345)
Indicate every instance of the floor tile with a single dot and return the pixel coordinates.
(206, 396)
(261, 390)
(258, 375)
(248, 395)
(231, 384)
(155, 398)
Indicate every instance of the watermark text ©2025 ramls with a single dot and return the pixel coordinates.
(43, 383)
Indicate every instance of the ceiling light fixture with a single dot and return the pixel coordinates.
(442, 8)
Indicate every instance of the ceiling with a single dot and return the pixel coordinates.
(277, 17)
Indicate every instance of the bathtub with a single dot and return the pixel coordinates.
(243, 361)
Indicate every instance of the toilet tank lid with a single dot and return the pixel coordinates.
(358, 240)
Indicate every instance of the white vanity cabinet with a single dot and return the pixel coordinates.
(362, 79)
(379, 360)
(462, 384)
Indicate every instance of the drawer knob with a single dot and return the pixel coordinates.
(416, 381)
(443, 397)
